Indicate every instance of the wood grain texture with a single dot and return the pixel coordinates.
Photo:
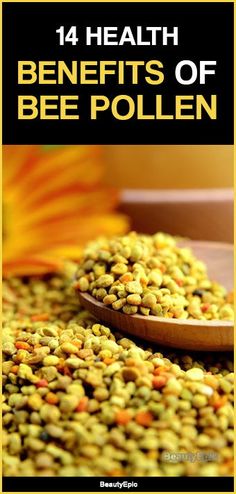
(205, 214)
(185, 334)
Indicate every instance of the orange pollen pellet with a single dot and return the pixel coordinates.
(52, 398)
(22, 345)
(143, 281)
(144, 418)
(122, 417)
(66, 371)
(116, 472)
(159, 381)
(220, 402)
(14, 369)
(130, 362)
(125, 278)
(40, 317)
(108, 360)
(76, 285)
(60, 368)
(83, 404)
(159, 370)
(179, 282)
(205, 307)
(42, 383)
(77, 343)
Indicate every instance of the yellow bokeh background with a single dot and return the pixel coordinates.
(169, 167)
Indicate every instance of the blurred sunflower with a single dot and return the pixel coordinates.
(54, 201)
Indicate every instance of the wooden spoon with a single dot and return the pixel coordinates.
(179, 333)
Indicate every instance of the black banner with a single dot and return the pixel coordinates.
(151, 73)
(95, 484)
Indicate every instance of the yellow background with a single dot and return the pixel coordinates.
(169, 167)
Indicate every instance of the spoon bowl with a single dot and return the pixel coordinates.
(189, 334)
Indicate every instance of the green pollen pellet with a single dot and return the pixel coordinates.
(105, 281)
(119, 304)
(199, 401)
(35, 444)
(49, 413)
(74, 363)
(133, 287)
(68, 403)
(149, 301)
(83, 284)
(145, 311)
(122, 294)
(195, 374)
(101, 293)
(130, 309)
(136, 253)
(8, 348)
(35, 401)
(155, 278)
(101, 394)
(51, 360)
(119, 268)
(134, 299)
(68, 347)
(99, 269)
(25, 372)
(109, 299)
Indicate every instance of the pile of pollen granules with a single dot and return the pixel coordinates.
(82, 400)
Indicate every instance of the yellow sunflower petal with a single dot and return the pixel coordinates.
(54, 202)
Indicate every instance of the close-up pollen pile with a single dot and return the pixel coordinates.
(153, 276)
(81, 399)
